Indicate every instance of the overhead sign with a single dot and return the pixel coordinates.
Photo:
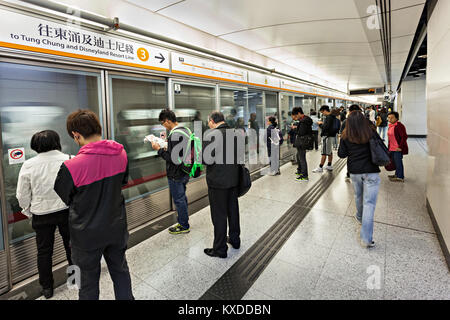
(23, 32)
(302, 88)
(367, 91)
(188, 65)
(263, 79)
(16, 155)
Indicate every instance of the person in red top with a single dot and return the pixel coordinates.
(397, 145)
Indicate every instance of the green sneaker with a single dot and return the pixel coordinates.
(302, 178)
(178, 229)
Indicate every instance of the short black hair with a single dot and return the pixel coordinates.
(325, 108)
(273, 120)
(217, 117)
(167, 114)
(85, 122)
(354, 107)
(397, 116)
(313, 113)
(297, 110)
(45, 141)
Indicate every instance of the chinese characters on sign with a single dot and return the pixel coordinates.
(85, 39)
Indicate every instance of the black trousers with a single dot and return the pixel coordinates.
(302, 164)
(45, 226)
(316, 139)
(224, 207)
(89, 263)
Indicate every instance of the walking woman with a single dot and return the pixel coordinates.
(38, 200)
(363, 173)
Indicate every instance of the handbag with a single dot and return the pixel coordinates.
(245, 182)
(378, 150)
(391, 165)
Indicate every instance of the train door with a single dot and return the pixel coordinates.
(134, 104)
(193, 102)
(286, 106)
(36, 97)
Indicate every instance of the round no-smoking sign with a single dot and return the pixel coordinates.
(16, 155)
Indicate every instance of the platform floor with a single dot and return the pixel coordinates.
(321, 260)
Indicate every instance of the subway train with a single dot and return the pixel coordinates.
(38, 91)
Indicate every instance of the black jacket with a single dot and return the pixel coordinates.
(91, 185)
(384, 120)
(221, 175)
(304, 126)
(359, 157)
(327, 126)
(174, 170)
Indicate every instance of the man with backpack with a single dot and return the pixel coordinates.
(303, 141)
(177, 172)
(330, 127)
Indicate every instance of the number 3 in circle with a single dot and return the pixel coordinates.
(142, 54)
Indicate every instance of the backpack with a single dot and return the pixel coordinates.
(278, 139)
(336, 126)
(192, 163)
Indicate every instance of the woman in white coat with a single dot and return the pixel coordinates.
(41, 203)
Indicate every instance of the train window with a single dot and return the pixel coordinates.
(194, 103)
(32, 99)
(271, 105)
(257, 122)
(136, 104)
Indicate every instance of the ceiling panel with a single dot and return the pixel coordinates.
(153, 5)
(219, 17)
(321, 49)
(301, 33)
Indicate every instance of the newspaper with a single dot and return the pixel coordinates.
(153, 139)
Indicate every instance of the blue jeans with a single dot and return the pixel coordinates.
(178, 192)
(382, 132)
(397, 156)
(366, 187)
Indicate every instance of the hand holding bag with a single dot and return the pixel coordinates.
(245, 182)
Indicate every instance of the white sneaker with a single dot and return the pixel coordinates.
(329, 168)
(318, 170)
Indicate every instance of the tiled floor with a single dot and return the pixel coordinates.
(321, 260)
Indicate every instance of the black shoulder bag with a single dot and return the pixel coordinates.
(245, 182)
(379, 151)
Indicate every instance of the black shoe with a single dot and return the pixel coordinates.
(235, 246)
(210, 252)
(47, 293)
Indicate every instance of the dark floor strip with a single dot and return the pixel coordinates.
(237, 280)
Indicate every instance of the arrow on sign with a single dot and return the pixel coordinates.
(161, 57)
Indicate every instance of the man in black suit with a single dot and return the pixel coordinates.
(222, 178)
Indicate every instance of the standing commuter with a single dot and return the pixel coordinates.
(336, 113)
(397, 145)
(176, 176)
(382, 128)
(315, 129)
(372, 114)
(38, 200)
(91, 185)
(328, 132)
(303, 128)
(364, 174)
(275, 145)
(222, 179)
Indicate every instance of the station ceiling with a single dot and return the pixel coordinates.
(334, 40)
